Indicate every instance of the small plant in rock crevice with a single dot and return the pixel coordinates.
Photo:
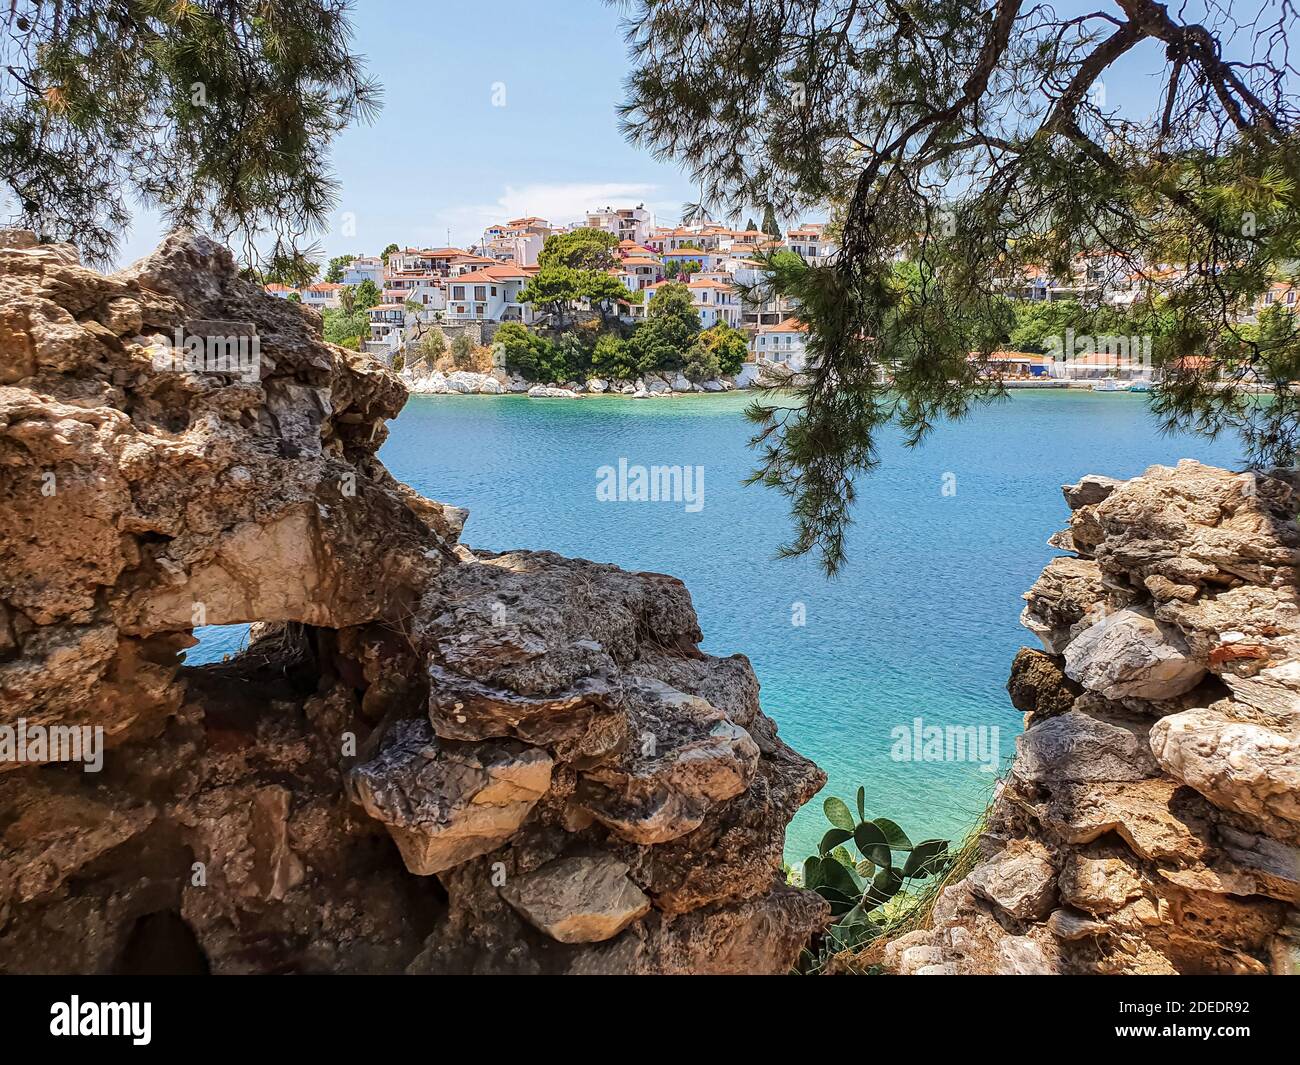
(887, 865)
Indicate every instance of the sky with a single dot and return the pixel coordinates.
(441, 157)
(443, 160)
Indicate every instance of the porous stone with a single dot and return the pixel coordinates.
(578, 900)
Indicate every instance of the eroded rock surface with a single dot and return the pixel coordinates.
(1149, 822)
(427, 759)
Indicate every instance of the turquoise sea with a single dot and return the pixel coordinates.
(920, 624)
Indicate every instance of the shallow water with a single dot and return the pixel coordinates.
(920, 624)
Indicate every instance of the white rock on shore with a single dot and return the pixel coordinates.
(459, 382)
(549, 392)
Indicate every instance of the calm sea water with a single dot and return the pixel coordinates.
(920, 624)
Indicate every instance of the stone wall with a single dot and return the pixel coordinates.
(1150, 822)
(428, 759)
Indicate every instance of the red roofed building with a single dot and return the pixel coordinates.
(489, 294)
(783, 344)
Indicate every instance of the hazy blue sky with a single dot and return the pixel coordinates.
(442, 161)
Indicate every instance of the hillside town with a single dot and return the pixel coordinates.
(472, 292)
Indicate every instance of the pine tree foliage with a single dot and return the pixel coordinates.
(974, 139)
(218, 113)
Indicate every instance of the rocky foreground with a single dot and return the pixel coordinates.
(1150, 822)
(428, 760)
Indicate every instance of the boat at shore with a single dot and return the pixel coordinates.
(1141, 385)
(1109, 384)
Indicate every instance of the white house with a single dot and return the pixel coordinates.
(490, 294)
(364, 268)
(626, 223)
(418, 286)
(716, 300)
(519, 241)
(809, 241)
(783, 345)
(709, 260)
(640, 271)
(321, 295)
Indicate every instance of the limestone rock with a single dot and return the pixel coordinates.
(1078, 746)
(1099, 880)
(1020, 881)
(508, 708)
(1249, 766)
(1167, 812)
(1131, 655)
(1039, 686)
(1071, 924)
(445, 803)
(1063, 602)
(578, 900)
(1089, 490)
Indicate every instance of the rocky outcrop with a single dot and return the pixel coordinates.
(1150, 821)
(458, 382)
(427, 758)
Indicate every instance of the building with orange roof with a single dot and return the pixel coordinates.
(1279, 293)
(783, 345)
(321, 295)
(716, 301)
(489, 294)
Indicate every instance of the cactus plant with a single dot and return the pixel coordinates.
(856, 887)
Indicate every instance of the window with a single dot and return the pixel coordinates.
(494, 290)
(458, 292)
(480, 292)
(1290, 297)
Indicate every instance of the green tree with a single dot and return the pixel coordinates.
(462, 351)
(294, 297)
(554, 288)
(725, 345)
(219, 114)
(1036, 321)
(662, 341)
(701, 365)
(604, 291)
(999, 103)
(527, 354)
(751, 226)
(414, 307)
(770, 226)
(433, 345)
(337, 265)
(345, 330)
(348, 299)
(389, 251)
(367, 296)
(611, 357)
(580, 249)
